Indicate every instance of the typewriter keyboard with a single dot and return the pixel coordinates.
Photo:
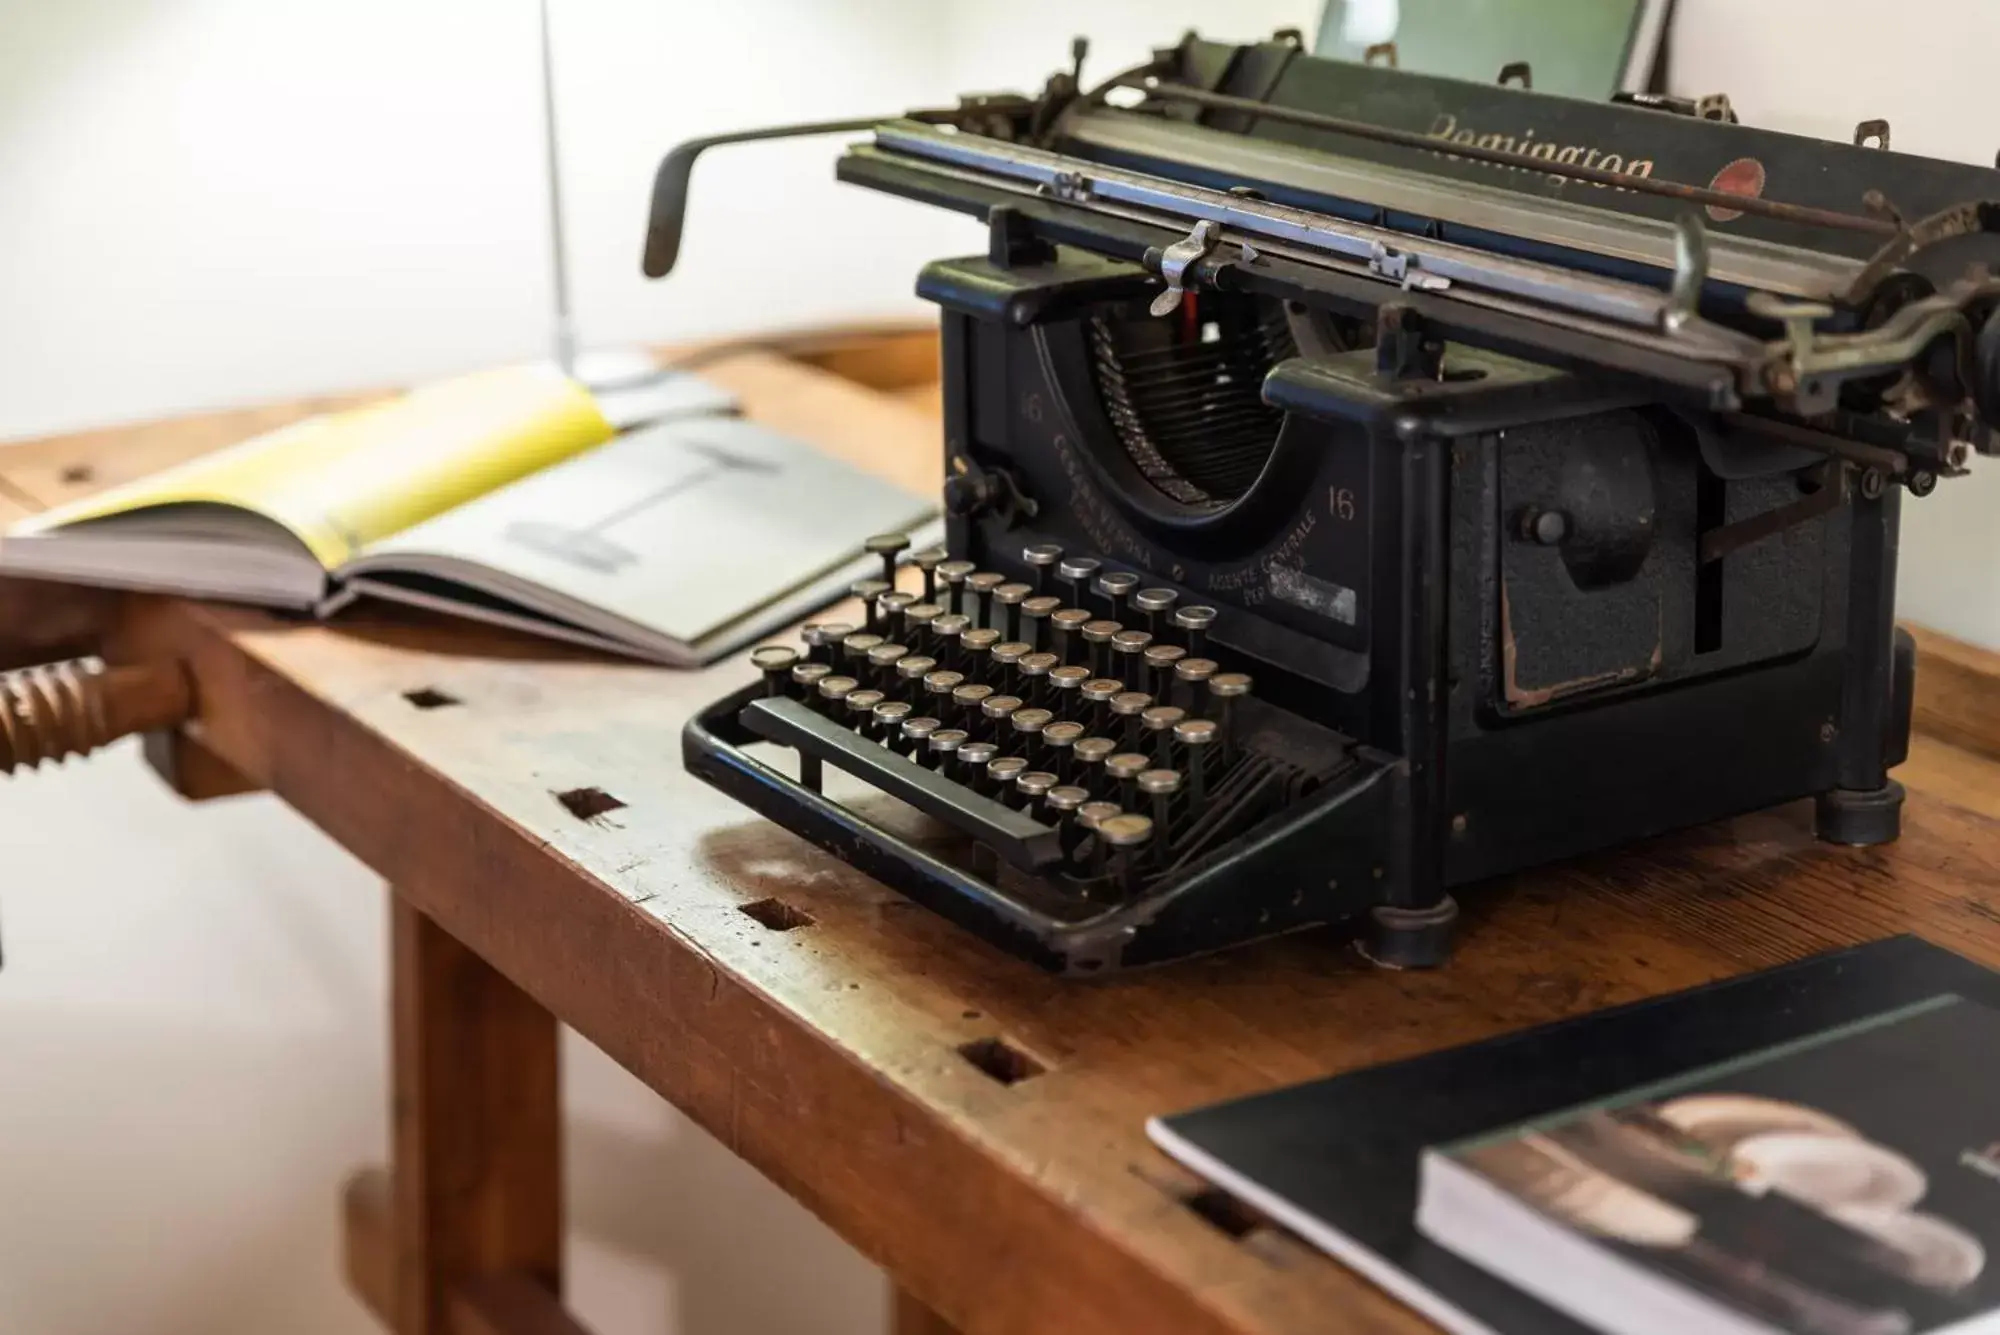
(1077, 728)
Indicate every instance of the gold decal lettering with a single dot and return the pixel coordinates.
(1445, 126)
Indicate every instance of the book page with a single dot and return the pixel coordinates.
(345, 480)
(678, 529)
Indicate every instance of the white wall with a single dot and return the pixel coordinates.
(215, 201)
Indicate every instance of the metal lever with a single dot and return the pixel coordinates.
(1174, 262)
(670, 183)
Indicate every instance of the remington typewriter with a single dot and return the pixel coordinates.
(1363, 484)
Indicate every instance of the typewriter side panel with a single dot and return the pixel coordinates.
(1703, 688)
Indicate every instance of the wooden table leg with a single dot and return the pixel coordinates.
(477, 1164)
(910, 1316)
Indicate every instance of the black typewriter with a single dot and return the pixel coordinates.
(1363, 484)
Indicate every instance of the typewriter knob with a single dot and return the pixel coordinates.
(976, 493)
(1547, 527)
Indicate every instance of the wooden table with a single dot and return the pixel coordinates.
(969, 1123)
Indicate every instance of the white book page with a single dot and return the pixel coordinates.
(678, 529)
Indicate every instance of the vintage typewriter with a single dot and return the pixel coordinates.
(1363, 484)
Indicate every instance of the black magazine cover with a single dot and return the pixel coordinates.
(1338, 1161)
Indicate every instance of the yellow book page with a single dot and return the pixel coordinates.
(348, 479)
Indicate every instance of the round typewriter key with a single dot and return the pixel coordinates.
(918, 618)
(1066, 797)
(891, 606)
(1160, 785)
(1010, 597)
(1128, 648)
(1035, 614)
(806, 678)
(868, 591)
(889, 716)
(1067, 624)
(1117, 586)
(1088, 817)
(997, 710)
(1090, 813)
(1034, 670)
(1076, 572)
(1124, 768)
(821, 636)
(852, 651)
(1057, 738)
(1005, 656)
(1126, 707)
(1160, 721)
(938, 686)
(1160, 660)
(776, 662)
(861, 710)
(1041, 557)
(1063, 685)
(911, 669)
(973, 646)
(927, 560)
(1030, 719)
(944, 744)
(1061, 805)
(1000, 775)
(966, 700)
(945, 631)
(888, 546)
(1088, 754)
(1097, 640)
(1134, 642)
(970, 762)
(1194, 674)
(833, 693)
(1033, 785)
(1225, 689)
(1127, 836)
(1156, 604)
(917, 730)
(882, 660)
(1197, 737)
(1096, 694)
(983, 583)
(1195, 621)
(952, 574)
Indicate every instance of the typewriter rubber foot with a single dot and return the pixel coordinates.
(1859, 816)
(1401, 938)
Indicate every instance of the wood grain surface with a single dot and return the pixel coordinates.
(829, 1052)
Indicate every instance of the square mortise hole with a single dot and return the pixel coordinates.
(588, 803)
(430, 697)
(1000, 1059)
(1223, 1211)
(777, 915)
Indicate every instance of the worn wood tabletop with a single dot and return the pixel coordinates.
(531, 800)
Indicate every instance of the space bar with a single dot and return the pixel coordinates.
(1018, 839)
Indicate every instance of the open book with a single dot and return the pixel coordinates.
(501, 496)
